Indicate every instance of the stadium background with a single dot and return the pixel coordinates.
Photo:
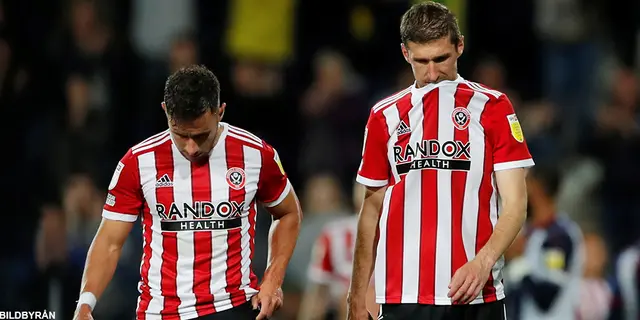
(82, 81)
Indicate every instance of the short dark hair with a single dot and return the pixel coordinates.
(428, 21)
(548, 177)
(190, 92)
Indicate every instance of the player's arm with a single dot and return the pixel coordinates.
(124, 202)
(513, 193)
(103, 256)
(282, 238)
(366, 243)
(280, 200)
(374, 174)
(511, 157)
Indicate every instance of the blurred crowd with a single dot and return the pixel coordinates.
(81, 81)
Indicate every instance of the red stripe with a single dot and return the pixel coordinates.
(458, 183)
(145, 295)
(164, 196)
(485, 228)
(252, 236)
(202, 242)
(235, 159)
(429, 207)
(395, 221)
(395, 229)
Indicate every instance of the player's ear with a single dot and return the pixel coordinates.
(221, 110)
(164, 106)
(405, 52)
(460, 46)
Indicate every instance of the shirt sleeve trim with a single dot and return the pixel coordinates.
(283, 195)
(371, 182)
(117, 216)
(513, 164)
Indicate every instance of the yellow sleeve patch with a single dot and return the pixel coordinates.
(516, 130)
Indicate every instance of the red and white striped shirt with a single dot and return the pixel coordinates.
(198, 220)
(437, 148)
(332, 258)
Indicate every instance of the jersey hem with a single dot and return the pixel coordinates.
(119, 216)
(283, 195)
(513, 164)
(371, 182)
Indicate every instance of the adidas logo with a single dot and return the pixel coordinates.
(403, 128)
(164, 181)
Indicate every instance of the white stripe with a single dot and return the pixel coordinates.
(147, 147)
(147, 168)
(392, 118)
(478, 88)
(185, 239)
(380, 268)
(282, 196)
(446, 129)
(151, 139)
(252, 166)
(390, 100)
(245, 139)
(245, 132)
(494, 212)
(412, 211)
(370, 182)
(219, 192)
(117, 216)
(475, 175)
(513, 164)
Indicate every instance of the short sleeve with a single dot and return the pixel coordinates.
(273, 184)
(321, 268)
(374, 167)
(124, 199)
(509, 146)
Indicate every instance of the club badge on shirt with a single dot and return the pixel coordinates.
(516, 130)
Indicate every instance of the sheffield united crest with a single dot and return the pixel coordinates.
(461, 118)
(236, 178)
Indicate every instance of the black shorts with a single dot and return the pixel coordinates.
(484, 311)
(241, 312)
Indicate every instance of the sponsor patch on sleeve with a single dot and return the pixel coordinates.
(516, 130)
(116, 176)
(276, 157)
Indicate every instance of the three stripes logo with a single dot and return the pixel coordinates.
(403, 128)
(164, 182)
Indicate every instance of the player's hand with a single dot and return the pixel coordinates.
(468, 281)
(268, 300)
(357, 311)
(83, 312)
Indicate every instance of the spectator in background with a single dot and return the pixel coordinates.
(568, 31)
(544, 281)
(330, 267)
(626, 284)
(334, 110)
(595, 292)
(323, 201)
(615, 142)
